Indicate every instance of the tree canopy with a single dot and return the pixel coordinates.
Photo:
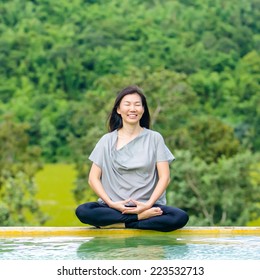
(62, 62)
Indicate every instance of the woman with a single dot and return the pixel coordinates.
(130, 171)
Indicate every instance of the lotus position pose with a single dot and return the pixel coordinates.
(130, 172)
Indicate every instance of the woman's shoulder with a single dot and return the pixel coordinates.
(107, 136)
(153, 133)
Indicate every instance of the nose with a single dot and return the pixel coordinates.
(132, 107)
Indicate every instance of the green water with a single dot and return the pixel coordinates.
(159, 247)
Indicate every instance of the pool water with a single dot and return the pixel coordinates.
(148, 247)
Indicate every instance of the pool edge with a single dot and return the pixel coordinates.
(86, 231)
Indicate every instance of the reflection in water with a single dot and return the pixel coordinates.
(148, 247)
(135, 247)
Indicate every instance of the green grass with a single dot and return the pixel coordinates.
(55, 183)
(255, 223)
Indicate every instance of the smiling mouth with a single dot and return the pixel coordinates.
(132, 115)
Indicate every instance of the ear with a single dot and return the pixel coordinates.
(118, 111)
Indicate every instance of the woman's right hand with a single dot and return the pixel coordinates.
(119, 205)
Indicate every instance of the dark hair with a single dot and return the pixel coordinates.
(115, 120)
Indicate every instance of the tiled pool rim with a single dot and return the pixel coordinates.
(7, 232)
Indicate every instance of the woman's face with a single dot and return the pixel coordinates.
(131, 108)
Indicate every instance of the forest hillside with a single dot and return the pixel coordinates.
(198, 61)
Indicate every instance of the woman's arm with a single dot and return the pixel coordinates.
(96, 185)
(163, 182)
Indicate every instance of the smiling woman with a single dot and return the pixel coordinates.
(134, 163)
(131, 109)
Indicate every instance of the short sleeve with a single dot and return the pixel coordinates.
(163, 153)
(97, 155)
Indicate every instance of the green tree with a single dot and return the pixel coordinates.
(211, 139)
(218, 193)
(18, 165)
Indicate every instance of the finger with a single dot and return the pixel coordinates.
(135, 201)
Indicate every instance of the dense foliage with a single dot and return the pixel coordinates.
(198, 61)
(18, 165)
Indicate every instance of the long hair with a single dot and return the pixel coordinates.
(115, 120)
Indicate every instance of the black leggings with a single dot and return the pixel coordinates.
(99, 214)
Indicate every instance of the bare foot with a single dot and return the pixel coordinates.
(152, 212)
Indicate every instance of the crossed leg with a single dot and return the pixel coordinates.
(159, 217)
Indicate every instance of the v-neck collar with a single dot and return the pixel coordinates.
(124, 146)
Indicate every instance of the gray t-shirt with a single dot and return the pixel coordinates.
(130, 172)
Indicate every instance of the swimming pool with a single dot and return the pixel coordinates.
(135, 245)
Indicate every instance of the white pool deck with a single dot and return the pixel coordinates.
(7, 232)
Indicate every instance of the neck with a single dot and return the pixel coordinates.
(131, 130)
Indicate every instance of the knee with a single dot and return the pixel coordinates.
(183, 219)
(80, 212)
(179, 220)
